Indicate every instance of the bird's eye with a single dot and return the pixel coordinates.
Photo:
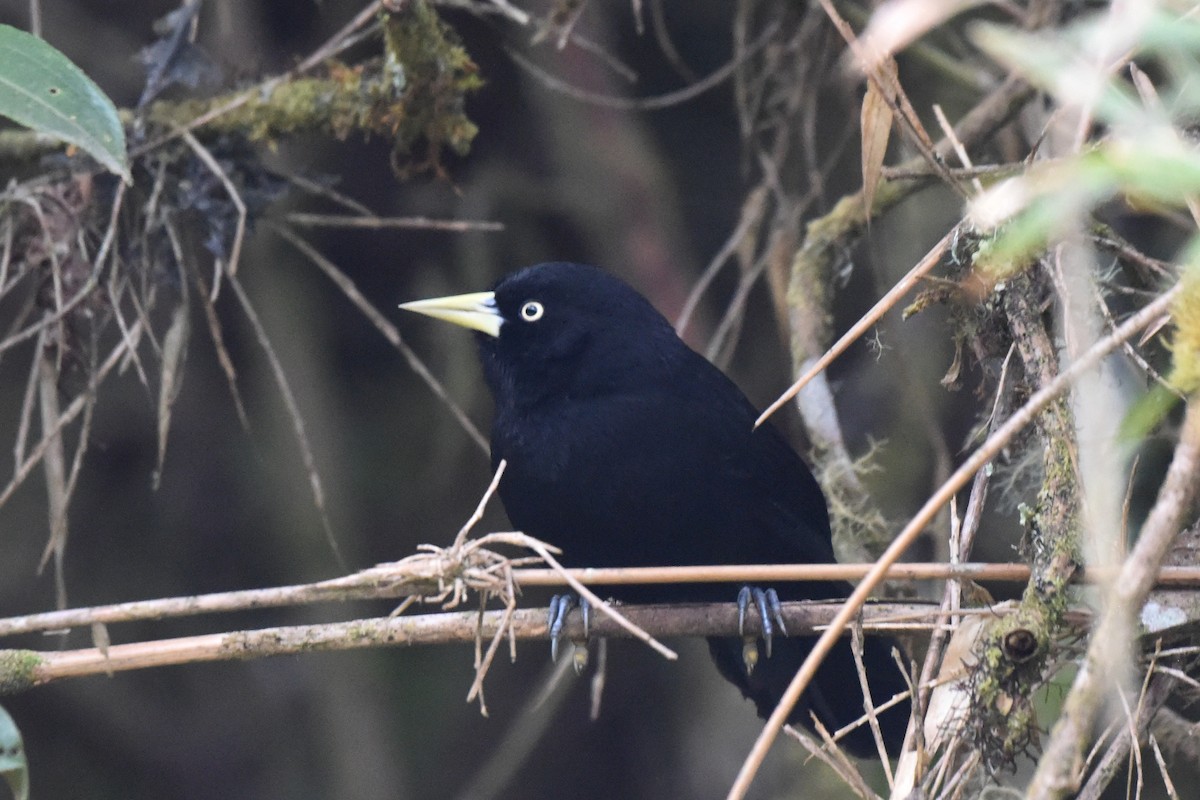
(532, 311)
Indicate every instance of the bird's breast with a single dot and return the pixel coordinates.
(623, 482)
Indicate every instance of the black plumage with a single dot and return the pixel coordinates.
(627, 448)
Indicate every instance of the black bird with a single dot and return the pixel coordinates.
(627, 448)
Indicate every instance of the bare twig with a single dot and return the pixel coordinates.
(74, 410)
(881, 307)
(1157, 692)
(293, 411)
(831, 756)
(403, 579)
(384, 326)
(477, 514)
(648, 103)
(603, 606)
(389, 223)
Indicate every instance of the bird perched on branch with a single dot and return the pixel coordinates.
(627, 448)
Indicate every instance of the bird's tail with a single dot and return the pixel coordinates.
(835, 697)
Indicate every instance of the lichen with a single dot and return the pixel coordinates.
(1004, 724)
(435, 73)
(18, 670)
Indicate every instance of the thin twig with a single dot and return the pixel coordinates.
(477, 514)
(604, 607)
(828, 753)
(384, 326)
(648, 103)
(293, 412)
(389, 223)
(68, 416)
(881, 307)
(397, 580)
(335, 43)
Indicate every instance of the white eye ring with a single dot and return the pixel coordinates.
(532, 311)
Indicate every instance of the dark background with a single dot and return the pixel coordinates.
(648, 195)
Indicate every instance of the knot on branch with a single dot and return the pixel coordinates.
(1011, 665)
(1020, 645)
(446, 575)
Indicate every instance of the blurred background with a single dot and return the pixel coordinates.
(652, 194)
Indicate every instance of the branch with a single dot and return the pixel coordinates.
(412, 578)
(1058, 769)
(24, 669)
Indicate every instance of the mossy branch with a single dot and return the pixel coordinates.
(413, 94)
(1059, 769)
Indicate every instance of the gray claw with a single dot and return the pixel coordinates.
(770, 614)
(743, 602)
(560, 606)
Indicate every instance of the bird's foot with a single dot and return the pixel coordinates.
(560, 607)
(769, 613)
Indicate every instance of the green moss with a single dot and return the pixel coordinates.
(1005, 723)
(428, 66)
(414, 94)
(18, 670)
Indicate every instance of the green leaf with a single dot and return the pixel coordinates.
(1052, 63)
(1147, 414)
(12, 757)
(42, 89)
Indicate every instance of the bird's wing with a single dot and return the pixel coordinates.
(788, 510)
(791, 500)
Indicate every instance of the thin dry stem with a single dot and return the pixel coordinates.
(293, 412)
(856, 642)
(419, 575)
(384, 326)
(881, 307)
(477, 514)
(599, 604)
(371, 222)
(648, 103)
(76, 407)
(829, 754)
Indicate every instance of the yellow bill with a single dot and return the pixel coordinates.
(476, 311)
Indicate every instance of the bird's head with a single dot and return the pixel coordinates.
(559, 327)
